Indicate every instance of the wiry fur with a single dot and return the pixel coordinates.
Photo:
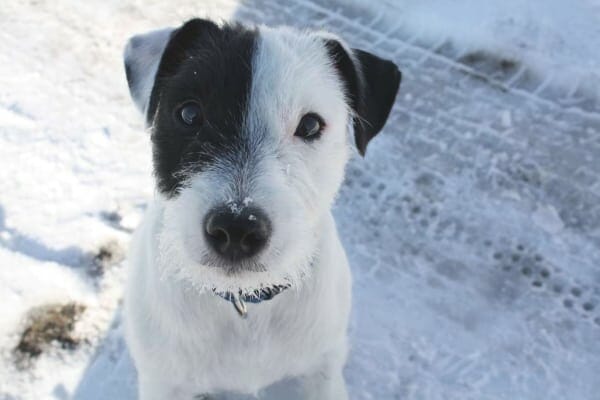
(184, 339)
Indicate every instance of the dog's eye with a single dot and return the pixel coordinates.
(310, 127)
(190, 113)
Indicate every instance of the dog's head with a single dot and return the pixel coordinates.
(251, 130)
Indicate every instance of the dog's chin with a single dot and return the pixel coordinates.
(210, 274)
(241, 280)
(245, 276)
(232, 267)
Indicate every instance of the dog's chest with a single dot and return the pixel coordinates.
(283, 337)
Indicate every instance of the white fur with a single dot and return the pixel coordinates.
(187, 341)
(142, 54)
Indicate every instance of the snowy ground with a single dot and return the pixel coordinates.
(473, 225)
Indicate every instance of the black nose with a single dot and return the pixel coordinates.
(237, 234)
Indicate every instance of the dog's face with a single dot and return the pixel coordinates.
(251, 130)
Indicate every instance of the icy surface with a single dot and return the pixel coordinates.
(472, 226)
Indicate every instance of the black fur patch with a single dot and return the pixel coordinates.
(371, 88)
(211, 66)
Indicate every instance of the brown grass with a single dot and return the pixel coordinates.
(47, 325)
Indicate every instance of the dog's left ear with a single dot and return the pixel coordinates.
(371, 85)
(142, 57)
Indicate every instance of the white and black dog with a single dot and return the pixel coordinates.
(238, 283)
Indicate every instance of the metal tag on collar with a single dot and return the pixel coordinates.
(239, 305)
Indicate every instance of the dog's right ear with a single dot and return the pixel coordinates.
(371, 85)
(155, 55)
(142, 57)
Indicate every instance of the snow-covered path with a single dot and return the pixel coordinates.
(472, 226)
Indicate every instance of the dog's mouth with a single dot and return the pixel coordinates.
(256, 296)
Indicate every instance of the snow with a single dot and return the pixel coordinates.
(547, 218)
(506, 119)
(556, 38)
(472, 226)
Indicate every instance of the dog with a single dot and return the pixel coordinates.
(238, 283)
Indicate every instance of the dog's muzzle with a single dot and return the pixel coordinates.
(240, 299)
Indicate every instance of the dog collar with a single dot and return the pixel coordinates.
(240, 299)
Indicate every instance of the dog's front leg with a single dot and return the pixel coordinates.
(326, 382)
(324, 385)
(156, 389)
